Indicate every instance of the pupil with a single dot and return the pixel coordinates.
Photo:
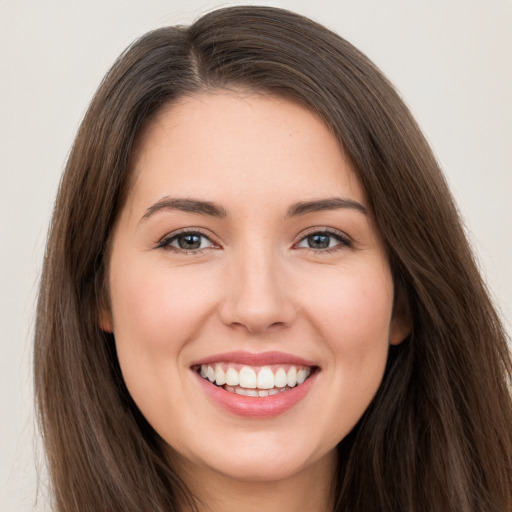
(318, 241)
(189, 242)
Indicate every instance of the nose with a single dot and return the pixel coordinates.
(257, 295)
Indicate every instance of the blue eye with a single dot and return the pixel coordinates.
(186, 241)
(321, 240)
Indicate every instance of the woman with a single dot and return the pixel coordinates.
(257, 291)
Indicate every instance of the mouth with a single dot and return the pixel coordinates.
(256, 386)
(254, 381)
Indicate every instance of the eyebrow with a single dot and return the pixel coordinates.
(333, 203)
(186, 205)
(216, 210)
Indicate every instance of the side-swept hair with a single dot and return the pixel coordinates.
(438, 434)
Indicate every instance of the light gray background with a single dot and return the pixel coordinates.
(451, 60)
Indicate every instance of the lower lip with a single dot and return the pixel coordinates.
(257, 407)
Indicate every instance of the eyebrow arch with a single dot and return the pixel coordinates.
(186, 205)
(334, 203)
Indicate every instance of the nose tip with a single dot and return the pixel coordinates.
(258, 300)
(257, 320)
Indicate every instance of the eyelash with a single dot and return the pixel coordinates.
(344, 241)
(165, 243)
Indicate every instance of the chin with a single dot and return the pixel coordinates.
(273, 469)
(248, 460)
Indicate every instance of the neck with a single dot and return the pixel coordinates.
(310, 489)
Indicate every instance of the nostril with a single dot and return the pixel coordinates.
(257, 319)
(257, 298)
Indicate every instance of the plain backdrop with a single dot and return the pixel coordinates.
(450, 59)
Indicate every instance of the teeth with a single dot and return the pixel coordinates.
(280, 378)
(291, 378)
(249, 381)
(301, 375)
(265, 378)
(247, 377)
(220, 376)
(254, 392)
(232, 377)
(246, 392)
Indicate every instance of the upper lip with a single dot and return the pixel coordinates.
(255, 359)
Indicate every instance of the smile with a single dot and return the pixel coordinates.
(255, 386)
(254, 381)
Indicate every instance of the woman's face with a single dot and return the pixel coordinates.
(246, 255)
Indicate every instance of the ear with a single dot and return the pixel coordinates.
(105, 320)
(401, 327)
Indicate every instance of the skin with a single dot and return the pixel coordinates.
(255, 285)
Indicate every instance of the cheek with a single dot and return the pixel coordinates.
(354, 309)
(353, 319)
(352, 314)
(158, 308)
(156, 313)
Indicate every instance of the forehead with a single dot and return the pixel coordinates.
(230, 142)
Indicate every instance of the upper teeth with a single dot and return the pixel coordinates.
(265, 377)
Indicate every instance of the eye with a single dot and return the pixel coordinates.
(322, 240)
(186, 241)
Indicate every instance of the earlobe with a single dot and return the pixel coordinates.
(401, 327)
(105, 320)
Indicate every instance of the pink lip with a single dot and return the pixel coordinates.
(254, 359)
(256, 407)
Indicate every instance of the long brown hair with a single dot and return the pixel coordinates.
(438, 434)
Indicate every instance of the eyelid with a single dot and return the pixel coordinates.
(165, 241)
(344, 239)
